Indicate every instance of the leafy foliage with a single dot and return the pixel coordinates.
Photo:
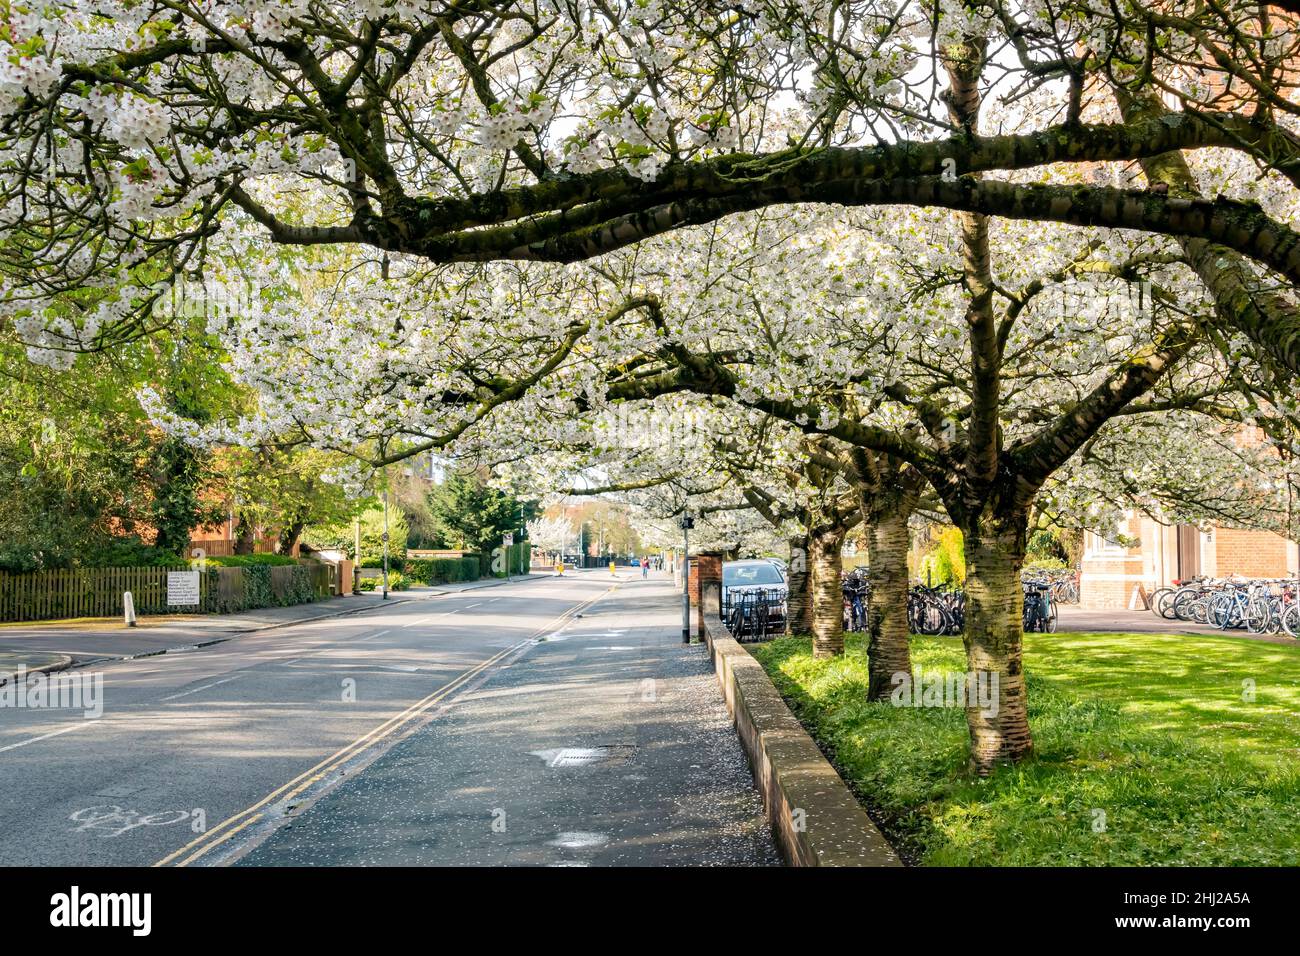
(945, 563)
(469, 513)
(342, 536)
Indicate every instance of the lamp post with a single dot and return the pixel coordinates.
(385, 543)
(383, 450)
(687, 523)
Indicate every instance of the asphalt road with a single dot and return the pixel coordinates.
(242, 750)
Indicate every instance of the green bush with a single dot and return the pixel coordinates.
(129, 553)
(396, 582)
(1046, 545)
(257, 586)
(946, 561)
(1045, 564)
(419, 570)
(448, 570)
(471, 567)
(251, 560)
(343, 536)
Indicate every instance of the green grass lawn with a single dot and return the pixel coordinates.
(1150, 729)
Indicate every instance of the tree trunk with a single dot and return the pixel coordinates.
(289, 537)
(995, 551)
(798, 618)
(888, 650)
(827, 597)
(295, 523)
(245, 536)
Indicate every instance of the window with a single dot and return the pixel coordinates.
(743, 575)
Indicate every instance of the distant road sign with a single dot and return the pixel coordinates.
(508, 538)
(183, 588)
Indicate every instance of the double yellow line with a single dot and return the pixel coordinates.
(223, 831)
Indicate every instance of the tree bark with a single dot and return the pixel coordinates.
(824, 545)
(289, 537)
(888, 650)
(798, 615)
(245, 536)
(995, 551)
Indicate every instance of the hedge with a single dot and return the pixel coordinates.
(470, 567)
(251, 560)
(444, 570)
(230, 590)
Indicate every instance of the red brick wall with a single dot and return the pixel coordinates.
(1252, 554)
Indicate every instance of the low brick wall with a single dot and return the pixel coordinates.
(816, 820)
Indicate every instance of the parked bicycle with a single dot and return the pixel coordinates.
(1257, 605)
(756, 614)
(856, 587)
(1040, 612)
(936, 610)
(1064, 582)
(942, 610)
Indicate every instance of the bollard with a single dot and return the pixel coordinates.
(128, 608)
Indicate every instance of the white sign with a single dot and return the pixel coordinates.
(508, 538)
(182, 588)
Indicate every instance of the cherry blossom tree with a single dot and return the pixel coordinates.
(132, 135)
(551, 535)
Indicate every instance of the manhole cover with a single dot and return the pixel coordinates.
(602, 756)
(117, 791)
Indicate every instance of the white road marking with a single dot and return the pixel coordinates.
(468, 606)
(187, 693)
(110, 820)
(33, 740)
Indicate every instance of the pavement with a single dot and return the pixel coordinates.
(448, 730)
(1146, 622)
(98, 639)
(31, 663)
(607, 744)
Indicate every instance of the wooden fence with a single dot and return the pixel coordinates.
(97, 592)
(84, 592)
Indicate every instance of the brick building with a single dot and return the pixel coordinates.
(1116, 576)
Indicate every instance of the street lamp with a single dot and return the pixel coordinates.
(687, 523)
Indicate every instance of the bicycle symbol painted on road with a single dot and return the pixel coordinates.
(110, 820)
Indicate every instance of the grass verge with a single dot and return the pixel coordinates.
(1147, 752)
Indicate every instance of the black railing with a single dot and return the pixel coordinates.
(755, 615)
